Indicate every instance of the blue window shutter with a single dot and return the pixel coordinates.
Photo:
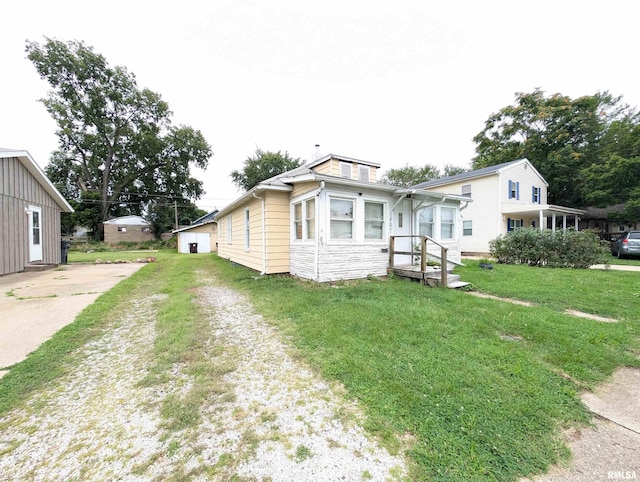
(508, 224)
(533, 194)
(517, 190)
(539, 195)
(509, 190)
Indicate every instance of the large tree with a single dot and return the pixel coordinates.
(408, 176)
(263, 165)
(115, 139)
(559, 135)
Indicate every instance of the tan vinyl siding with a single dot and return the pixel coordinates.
(278, 231)
(19, 189)
(332, 168)
(324, 168)
(304, 187)
(236, 251)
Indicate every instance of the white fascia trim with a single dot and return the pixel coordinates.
(249, 194)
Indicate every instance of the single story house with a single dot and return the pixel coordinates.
(598, 219)
(128, 228)
(505, 196)
(200, 237)
(30, 208)
(331, 220)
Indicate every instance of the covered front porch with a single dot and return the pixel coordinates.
(543, 216)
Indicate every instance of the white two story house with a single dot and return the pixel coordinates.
(505, 197)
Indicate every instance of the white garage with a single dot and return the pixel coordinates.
(199, 238)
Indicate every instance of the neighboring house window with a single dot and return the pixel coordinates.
(514, 224)
(425, 222)
(310, 218)
(373, 220)
(399, 220)
(247, 226)
(535, 194)
(297, 220)
(341, 218)
(122, 229)
(146, 229)
(514, 190)
(229, 229)
(447, 222)
(466, 190)
(345, 169)
(363, 173)
(467, 227)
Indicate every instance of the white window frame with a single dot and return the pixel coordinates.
(377, 220)
(465, 190)
(432, 223)
(247, 229)
(364, 173)
(346, 166)
(452, 223)
(467, 227)
(229, 229)
(309, 218)
(353, 218)
(297, 221)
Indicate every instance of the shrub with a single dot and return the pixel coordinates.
(565, 248)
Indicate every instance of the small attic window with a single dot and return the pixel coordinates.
(345, 169)
(363, 173)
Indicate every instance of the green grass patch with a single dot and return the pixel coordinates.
(433, 363)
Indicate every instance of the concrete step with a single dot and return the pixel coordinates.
(30, 268)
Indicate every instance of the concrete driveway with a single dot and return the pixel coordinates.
(33, 306)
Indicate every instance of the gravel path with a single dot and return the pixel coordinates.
(281, 422)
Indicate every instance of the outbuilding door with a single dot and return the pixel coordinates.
(203, 240)
(35, 233)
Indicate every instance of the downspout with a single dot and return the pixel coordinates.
(316, 261)
(264, 236)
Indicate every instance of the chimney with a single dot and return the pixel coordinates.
(317, 154)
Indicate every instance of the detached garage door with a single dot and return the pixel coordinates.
(203, 240)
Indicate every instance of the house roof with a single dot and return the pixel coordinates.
(477, 173)
(193, 226)
(284, 182)
(207, 217)
(129, 221)
(30, 164)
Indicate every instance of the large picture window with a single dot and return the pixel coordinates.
(425, 222)
(341, 218)
(373, 220)
(447, 223)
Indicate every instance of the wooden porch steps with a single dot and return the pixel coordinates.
(430, 278)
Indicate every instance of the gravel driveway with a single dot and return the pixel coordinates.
(98, 424)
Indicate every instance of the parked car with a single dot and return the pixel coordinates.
(628, 244)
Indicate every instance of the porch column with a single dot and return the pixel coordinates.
(564, 222)
(553, 222)
(542, 226)
(576, 222)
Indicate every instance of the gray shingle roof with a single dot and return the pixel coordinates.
(485, 171)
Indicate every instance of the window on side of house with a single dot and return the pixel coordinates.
(341, 218)
(297, 220)
(514, 190)
(122, 229)
(467, 227)
(535, 195)
(229, 229)
(363, 173)
(310, 218)
(466, 190)
(447, 223)
(425, 222)
(247, 228)
(514, 224)
(373, 220)
(146, 229)
(345, 169)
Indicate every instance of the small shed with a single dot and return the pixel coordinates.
(128, 228)
(30, 208)
(198, 238)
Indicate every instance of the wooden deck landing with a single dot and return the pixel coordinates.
(432, 276)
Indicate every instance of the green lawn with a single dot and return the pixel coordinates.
(433, 363)
(480, 388)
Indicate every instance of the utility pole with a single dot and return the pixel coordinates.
(175, 207)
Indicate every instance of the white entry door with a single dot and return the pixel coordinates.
(35, 233)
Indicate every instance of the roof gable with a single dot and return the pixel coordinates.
(30, 164)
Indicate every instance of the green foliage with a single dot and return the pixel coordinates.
(263, 165)
(564, 248)
(408, 176)
(116, 141)
(559, 135)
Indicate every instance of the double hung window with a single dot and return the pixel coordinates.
(373, 220)
(341, 218)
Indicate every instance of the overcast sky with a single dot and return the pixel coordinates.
(403, 82)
